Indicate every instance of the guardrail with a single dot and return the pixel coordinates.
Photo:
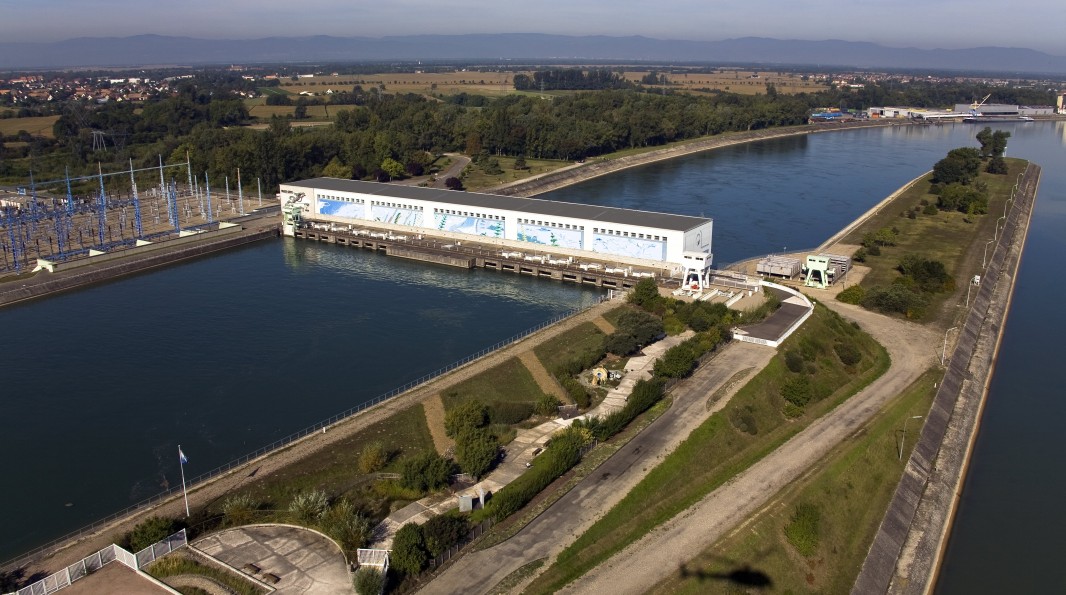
(287, 440)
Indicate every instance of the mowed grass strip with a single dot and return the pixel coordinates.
(314, 112)
(718, 449)
(36, 125)
(583, 338)
(850, 490)
(509, 381)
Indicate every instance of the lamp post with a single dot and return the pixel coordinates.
(984, 259)
(905, 434)
(995, 234)
(973, 281)
(944, 349)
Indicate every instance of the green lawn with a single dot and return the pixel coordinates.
(850, 489)
(583, 338)
(475, 178)
(506, 382)
(752, 425)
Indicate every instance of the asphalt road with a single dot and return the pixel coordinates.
(557, 527)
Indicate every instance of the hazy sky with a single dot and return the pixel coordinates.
(1036, 24)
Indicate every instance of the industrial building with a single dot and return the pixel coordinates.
(678, 242)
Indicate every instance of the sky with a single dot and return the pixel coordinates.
(926, 24)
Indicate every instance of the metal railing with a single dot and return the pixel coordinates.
(287, 440)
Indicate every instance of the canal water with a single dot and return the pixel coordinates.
(229, 353)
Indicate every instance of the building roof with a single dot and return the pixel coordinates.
(533, 206)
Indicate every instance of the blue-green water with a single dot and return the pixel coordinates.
(227, 354)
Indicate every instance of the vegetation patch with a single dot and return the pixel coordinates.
(508, 382)
(718, 450)
(178, 563)
(847, 495)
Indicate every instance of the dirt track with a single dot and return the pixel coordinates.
(642, 565)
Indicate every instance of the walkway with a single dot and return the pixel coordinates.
(304, 561)
(520, 450)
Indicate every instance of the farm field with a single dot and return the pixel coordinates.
(745, 82)
(37, 126)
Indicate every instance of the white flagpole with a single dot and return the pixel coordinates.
(181, 463)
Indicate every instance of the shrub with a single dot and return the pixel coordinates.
(409, 554)
(677, 362)
(743, 418)
(149, 531)
(239, 509)
(547, 405)
(510, 412)
(476, 451)
(794, 361)
(465, 416)
(874, 250)
(797, 390)
(561, 454)
(373, 458)
(851, 295)
(895, 298)
(444, 531)
(634, 329)
(802, 531)
(848, 353)
(368, 581)
(576, 391)
(860, 255)
(308, 507)
(425, 471)
(930, 209)
(344, 524)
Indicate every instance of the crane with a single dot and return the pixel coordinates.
(976, 106)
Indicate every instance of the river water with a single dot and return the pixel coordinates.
(226, 354)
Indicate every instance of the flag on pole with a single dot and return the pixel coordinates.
(181, 456)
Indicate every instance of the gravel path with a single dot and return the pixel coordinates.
(434, 410)
(642, 565)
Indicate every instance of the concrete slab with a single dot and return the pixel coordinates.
(305, 561)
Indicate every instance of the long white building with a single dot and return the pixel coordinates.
(681, 242)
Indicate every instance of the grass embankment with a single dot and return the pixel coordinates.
(832, 513)
(477, 178)
(951, 237)
(180, 564)
(757, 420)
(573, 344)
(335, 470)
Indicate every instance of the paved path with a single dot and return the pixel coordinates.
(645, 563)
(303, 560)
(560, 524)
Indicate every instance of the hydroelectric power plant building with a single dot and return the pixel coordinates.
(675, 246)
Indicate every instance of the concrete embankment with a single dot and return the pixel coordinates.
(593, 169)
(114, 265)
(906, 552)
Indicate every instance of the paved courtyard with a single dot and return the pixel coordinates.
(302, 560)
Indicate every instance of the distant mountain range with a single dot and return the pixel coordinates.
(165, 50)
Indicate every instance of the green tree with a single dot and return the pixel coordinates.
(344, 524)
(961, 166)
(149, 531)
(368, 581)
(444, 531)
(985, 138)
(425, 471)
(468, 415)
(409, 554)
(336, 169)
(373, 458)
(520, 162)
(644, 293)
(476, 451)
(394, 169)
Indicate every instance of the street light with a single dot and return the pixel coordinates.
(905, 434)
(984, 259)
(944, 349)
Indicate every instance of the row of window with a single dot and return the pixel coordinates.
(466, 214)
(393, 205)
(549, 223)
(626, 234)
(357, 201)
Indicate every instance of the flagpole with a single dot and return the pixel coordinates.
(181, 464)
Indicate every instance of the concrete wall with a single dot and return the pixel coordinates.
(907, 549)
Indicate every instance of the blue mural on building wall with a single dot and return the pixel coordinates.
(477, 226)
(550, 236)
(341, 208)
(631, 247)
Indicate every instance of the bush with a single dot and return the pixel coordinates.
(874, 250)
(239, 509)
(802, 531)
(510, 412)
(895, 298)
(467, 415)
(344, 524)
(930, 276)
(851, 295)
(548, 405)
(444, 531)
(576, 391)
(560, 455)
(149, 531)
(476, 451)
(797, 390)
(425, 471)
(677, 362)
(794, 361)
(860, 255)
(848, 353)
(409, 554)
(634, 329)
(373, 458)
(308, 507)
(368, 581)
(930, 209)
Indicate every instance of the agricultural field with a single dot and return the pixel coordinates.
(448, 83)
(37, 126)
(314, 112)
(744, 82)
